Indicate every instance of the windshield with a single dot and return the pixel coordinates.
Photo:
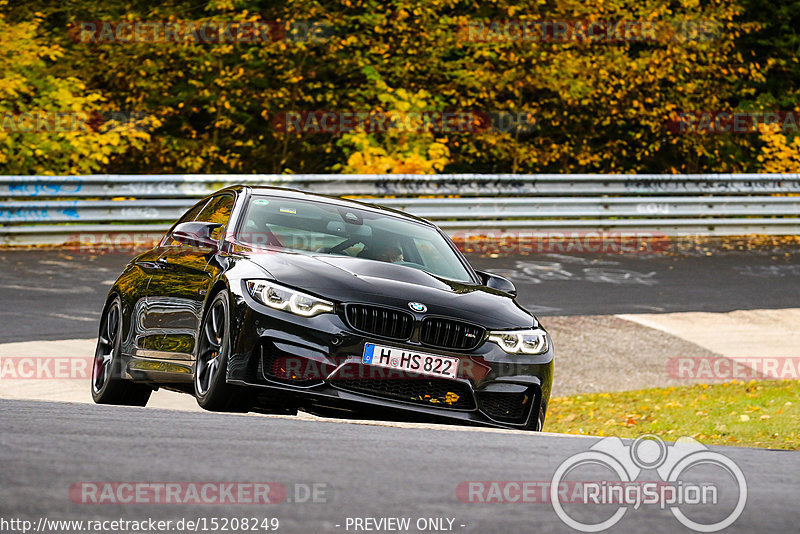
(320, 228)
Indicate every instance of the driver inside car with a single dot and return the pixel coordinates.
(390, 253)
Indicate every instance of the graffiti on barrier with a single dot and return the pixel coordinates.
(43, 189)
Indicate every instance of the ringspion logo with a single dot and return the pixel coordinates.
(679, 466)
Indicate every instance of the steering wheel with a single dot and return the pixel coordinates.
(338, 249)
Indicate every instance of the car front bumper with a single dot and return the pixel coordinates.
(315, 364)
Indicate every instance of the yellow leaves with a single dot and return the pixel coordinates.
(632, 419)
(75, 131)
(406, 146)
(777, 154)
(608, 99)
(113, 139)
(451, 398)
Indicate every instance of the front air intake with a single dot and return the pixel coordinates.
(383, 322)
(450, 334)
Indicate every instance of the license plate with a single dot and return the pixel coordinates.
(409, 360)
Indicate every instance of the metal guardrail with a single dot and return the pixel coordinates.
(195, 185)
(56, 209)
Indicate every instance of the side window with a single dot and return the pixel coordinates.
(218, 210)
(192, 213)
(187, 217)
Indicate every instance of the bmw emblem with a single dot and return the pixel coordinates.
(418, 307)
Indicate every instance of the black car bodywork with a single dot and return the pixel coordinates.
(278, 362)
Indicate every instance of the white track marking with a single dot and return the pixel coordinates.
(737, 334)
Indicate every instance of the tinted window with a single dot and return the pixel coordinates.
(189, 216)
(218, 210)
(192, 213)
(321, 228)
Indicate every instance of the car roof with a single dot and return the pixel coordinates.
(306, 195)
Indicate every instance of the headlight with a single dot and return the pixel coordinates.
(521, 341)
(283, 298)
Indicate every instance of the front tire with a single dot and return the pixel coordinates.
(211, 390)
(541, 418)
(108, 385)
(536, 424)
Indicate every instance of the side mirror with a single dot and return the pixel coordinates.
(497, 282)
(196, 234)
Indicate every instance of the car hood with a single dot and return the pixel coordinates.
(347, 279)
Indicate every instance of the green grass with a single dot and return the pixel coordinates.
(751, 414)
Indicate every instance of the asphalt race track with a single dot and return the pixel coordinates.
(362, 470)
(366, 470)
(50, 294)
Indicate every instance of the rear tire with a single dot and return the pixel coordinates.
(211, 390)
(108, 385)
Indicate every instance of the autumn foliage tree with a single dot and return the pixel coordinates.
(598, 105)
(51, 123)
(778, 154)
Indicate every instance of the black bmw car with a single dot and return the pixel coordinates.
(275, 300)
